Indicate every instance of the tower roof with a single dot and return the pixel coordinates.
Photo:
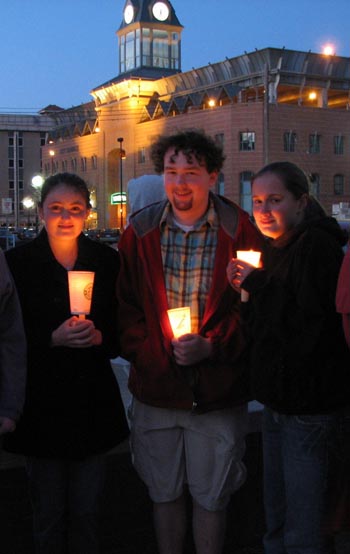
(143, 13)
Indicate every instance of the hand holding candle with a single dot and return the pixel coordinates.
(252, 257)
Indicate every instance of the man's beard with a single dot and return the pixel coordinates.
(183, 205)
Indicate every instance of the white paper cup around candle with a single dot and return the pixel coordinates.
(252, 257)
(180, 321)
(81, 285)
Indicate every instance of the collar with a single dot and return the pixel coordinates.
(210, 218)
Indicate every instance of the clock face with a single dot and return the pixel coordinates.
(128, 13)
(160, 11)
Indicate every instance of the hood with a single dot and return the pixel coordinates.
(325, 223)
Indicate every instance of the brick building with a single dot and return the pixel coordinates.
(266, 105)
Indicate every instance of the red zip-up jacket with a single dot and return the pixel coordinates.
(146, 335)
(343, 294)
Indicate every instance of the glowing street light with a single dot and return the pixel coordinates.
(28, 203)
(52, 154)
(328, 50)
(37, 183)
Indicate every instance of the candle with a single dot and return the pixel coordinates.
(80, 292)
(252, 257)
(180, 321)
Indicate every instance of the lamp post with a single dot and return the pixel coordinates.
(121, 158)
(52, 154)
(28, 203)
(37, 183)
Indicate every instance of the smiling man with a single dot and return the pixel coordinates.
(189, 407)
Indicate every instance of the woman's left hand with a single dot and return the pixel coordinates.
(236, 271)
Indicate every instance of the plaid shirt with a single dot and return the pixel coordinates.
(188, 261)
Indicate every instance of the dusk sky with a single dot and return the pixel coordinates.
(56, 51)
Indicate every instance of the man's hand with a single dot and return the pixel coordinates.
(191, 349)
(7, 425)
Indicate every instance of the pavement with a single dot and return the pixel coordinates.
(127, 526)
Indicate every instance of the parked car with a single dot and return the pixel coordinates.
(110, 236)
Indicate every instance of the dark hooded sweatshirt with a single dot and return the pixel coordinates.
(299, 361)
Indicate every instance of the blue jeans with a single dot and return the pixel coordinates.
(298, 454)
(65, 497)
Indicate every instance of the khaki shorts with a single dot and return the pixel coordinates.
(174, 447)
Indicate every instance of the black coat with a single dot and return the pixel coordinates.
(73, 406)
(299, 360)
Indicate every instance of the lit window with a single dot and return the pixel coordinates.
(247, 141)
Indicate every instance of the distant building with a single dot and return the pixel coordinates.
(267, 105)
(21, 138)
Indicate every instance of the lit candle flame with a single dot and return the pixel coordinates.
(252, 257)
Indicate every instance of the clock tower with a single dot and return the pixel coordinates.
(149, 39)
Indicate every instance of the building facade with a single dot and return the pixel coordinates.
(267, 105)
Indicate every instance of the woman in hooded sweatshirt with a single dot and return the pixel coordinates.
(299, 360)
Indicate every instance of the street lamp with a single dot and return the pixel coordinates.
(121, 158)
(37, 183)
(28, 203)
(52, 154)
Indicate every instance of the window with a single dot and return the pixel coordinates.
(219, 139)
(338, 142)
(247, 141)
(64, 165)
(83, 164)
(94, 161)
(220, 184)
(160, 48)
(245, 191)
(289, 141)
(338, 184)
(130, 51)
(314, 143)
(73, 164)
(142, 155)
(314, 179)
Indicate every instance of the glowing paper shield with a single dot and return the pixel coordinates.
(180, 321)
(81, 284)
(252, 257)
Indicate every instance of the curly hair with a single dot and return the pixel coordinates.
(192, 143)
(70, 180)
